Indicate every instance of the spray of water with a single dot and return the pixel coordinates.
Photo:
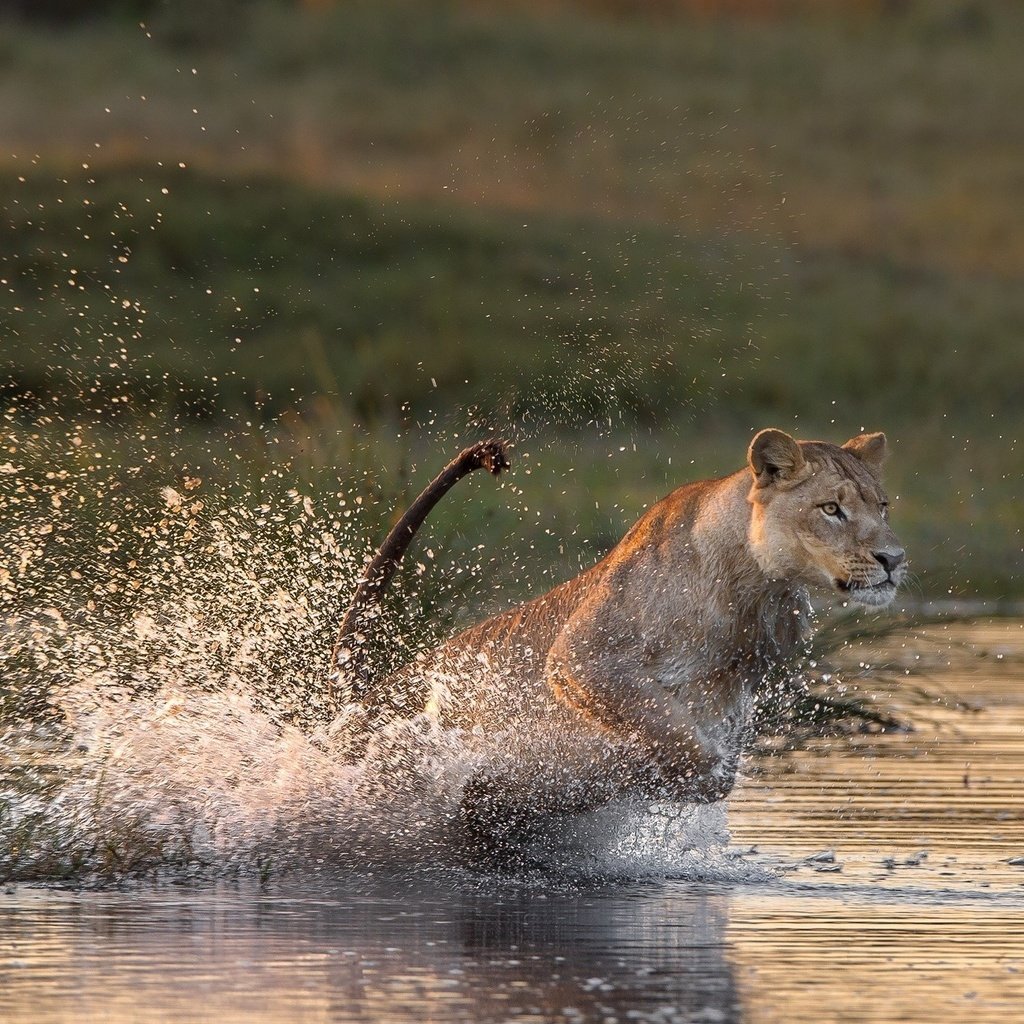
(165, 706)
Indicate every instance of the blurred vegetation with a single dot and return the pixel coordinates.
(621, 236)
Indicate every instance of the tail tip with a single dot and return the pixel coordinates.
(492, 455)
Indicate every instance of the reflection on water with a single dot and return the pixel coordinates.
(382, 953)
(895, 898)
(358, 949)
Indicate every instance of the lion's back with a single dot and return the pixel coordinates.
(489, 670)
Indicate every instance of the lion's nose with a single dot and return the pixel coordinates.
(891, 559)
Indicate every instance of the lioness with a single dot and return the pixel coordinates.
(648, 660)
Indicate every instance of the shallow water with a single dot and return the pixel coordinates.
(863, 884)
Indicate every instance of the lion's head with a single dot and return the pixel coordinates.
(820, 515)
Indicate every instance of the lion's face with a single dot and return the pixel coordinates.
(820, 516)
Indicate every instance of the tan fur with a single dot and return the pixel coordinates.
(648, 660)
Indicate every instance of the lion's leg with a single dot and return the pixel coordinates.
(505, 807)
(496, 826)
(688, 765)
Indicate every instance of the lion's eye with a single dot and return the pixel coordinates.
(831, 508)
(884, 509)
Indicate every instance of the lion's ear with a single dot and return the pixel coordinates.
(774, 455)
(871, 449)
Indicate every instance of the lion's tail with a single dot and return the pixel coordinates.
(349, 655)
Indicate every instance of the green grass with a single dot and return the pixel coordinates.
(229, 289)
(258, 291)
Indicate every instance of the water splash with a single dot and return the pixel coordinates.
(209, 783)
(179, 653)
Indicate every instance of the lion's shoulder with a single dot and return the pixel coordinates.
(678, 515)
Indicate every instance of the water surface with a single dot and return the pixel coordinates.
(869, 881)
